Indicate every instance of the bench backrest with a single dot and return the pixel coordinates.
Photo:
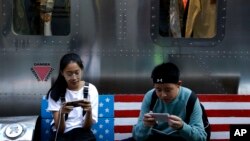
(118, 113)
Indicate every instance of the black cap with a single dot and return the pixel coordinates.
(165, 73)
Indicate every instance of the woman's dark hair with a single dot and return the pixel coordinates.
(58, 89)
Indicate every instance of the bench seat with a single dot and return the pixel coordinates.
(117, 114)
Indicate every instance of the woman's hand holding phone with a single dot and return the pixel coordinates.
(86, 105)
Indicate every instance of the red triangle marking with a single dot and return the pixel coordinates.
(42, 71)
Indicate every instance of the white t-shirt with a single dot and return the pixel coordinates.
(75, 118)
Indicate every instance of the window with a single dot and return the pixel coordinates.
(41, 17)
(187, 22)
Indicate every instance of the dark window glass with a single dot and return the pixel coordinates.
(41, 17)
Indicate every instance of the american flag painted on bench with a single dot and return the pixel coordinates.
(222, 111)
(117, 114)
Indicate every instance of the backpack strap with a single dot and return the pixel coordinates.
(189, 110)
(190, 106)
(86, 90)
(85, 94)
(153, 101)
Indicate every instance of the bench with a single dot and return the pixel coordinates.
(117, 114)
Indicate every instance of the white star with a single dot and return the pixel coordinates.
(47, 121)
(100, 115)
(107, 100)
(100, 136)
(94, 131)
(107, 131)
(47, 132)
(101, 126)
(107, 121)
(101, 104)
(107, 110)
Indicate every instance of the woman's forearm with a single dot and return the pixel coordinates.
(88, 120)
(59, 120)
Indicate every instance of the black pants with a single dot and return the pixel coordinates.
(165, 138)
(77, 134)
(158, 137)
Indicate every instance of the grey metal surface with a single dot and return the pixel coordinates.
(114, 39)
(17, 128)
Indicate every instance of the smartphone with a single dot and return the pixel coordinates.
(75, 103)
(161, 117)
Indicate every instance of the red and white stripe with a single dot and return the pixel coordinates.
(222, 111)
